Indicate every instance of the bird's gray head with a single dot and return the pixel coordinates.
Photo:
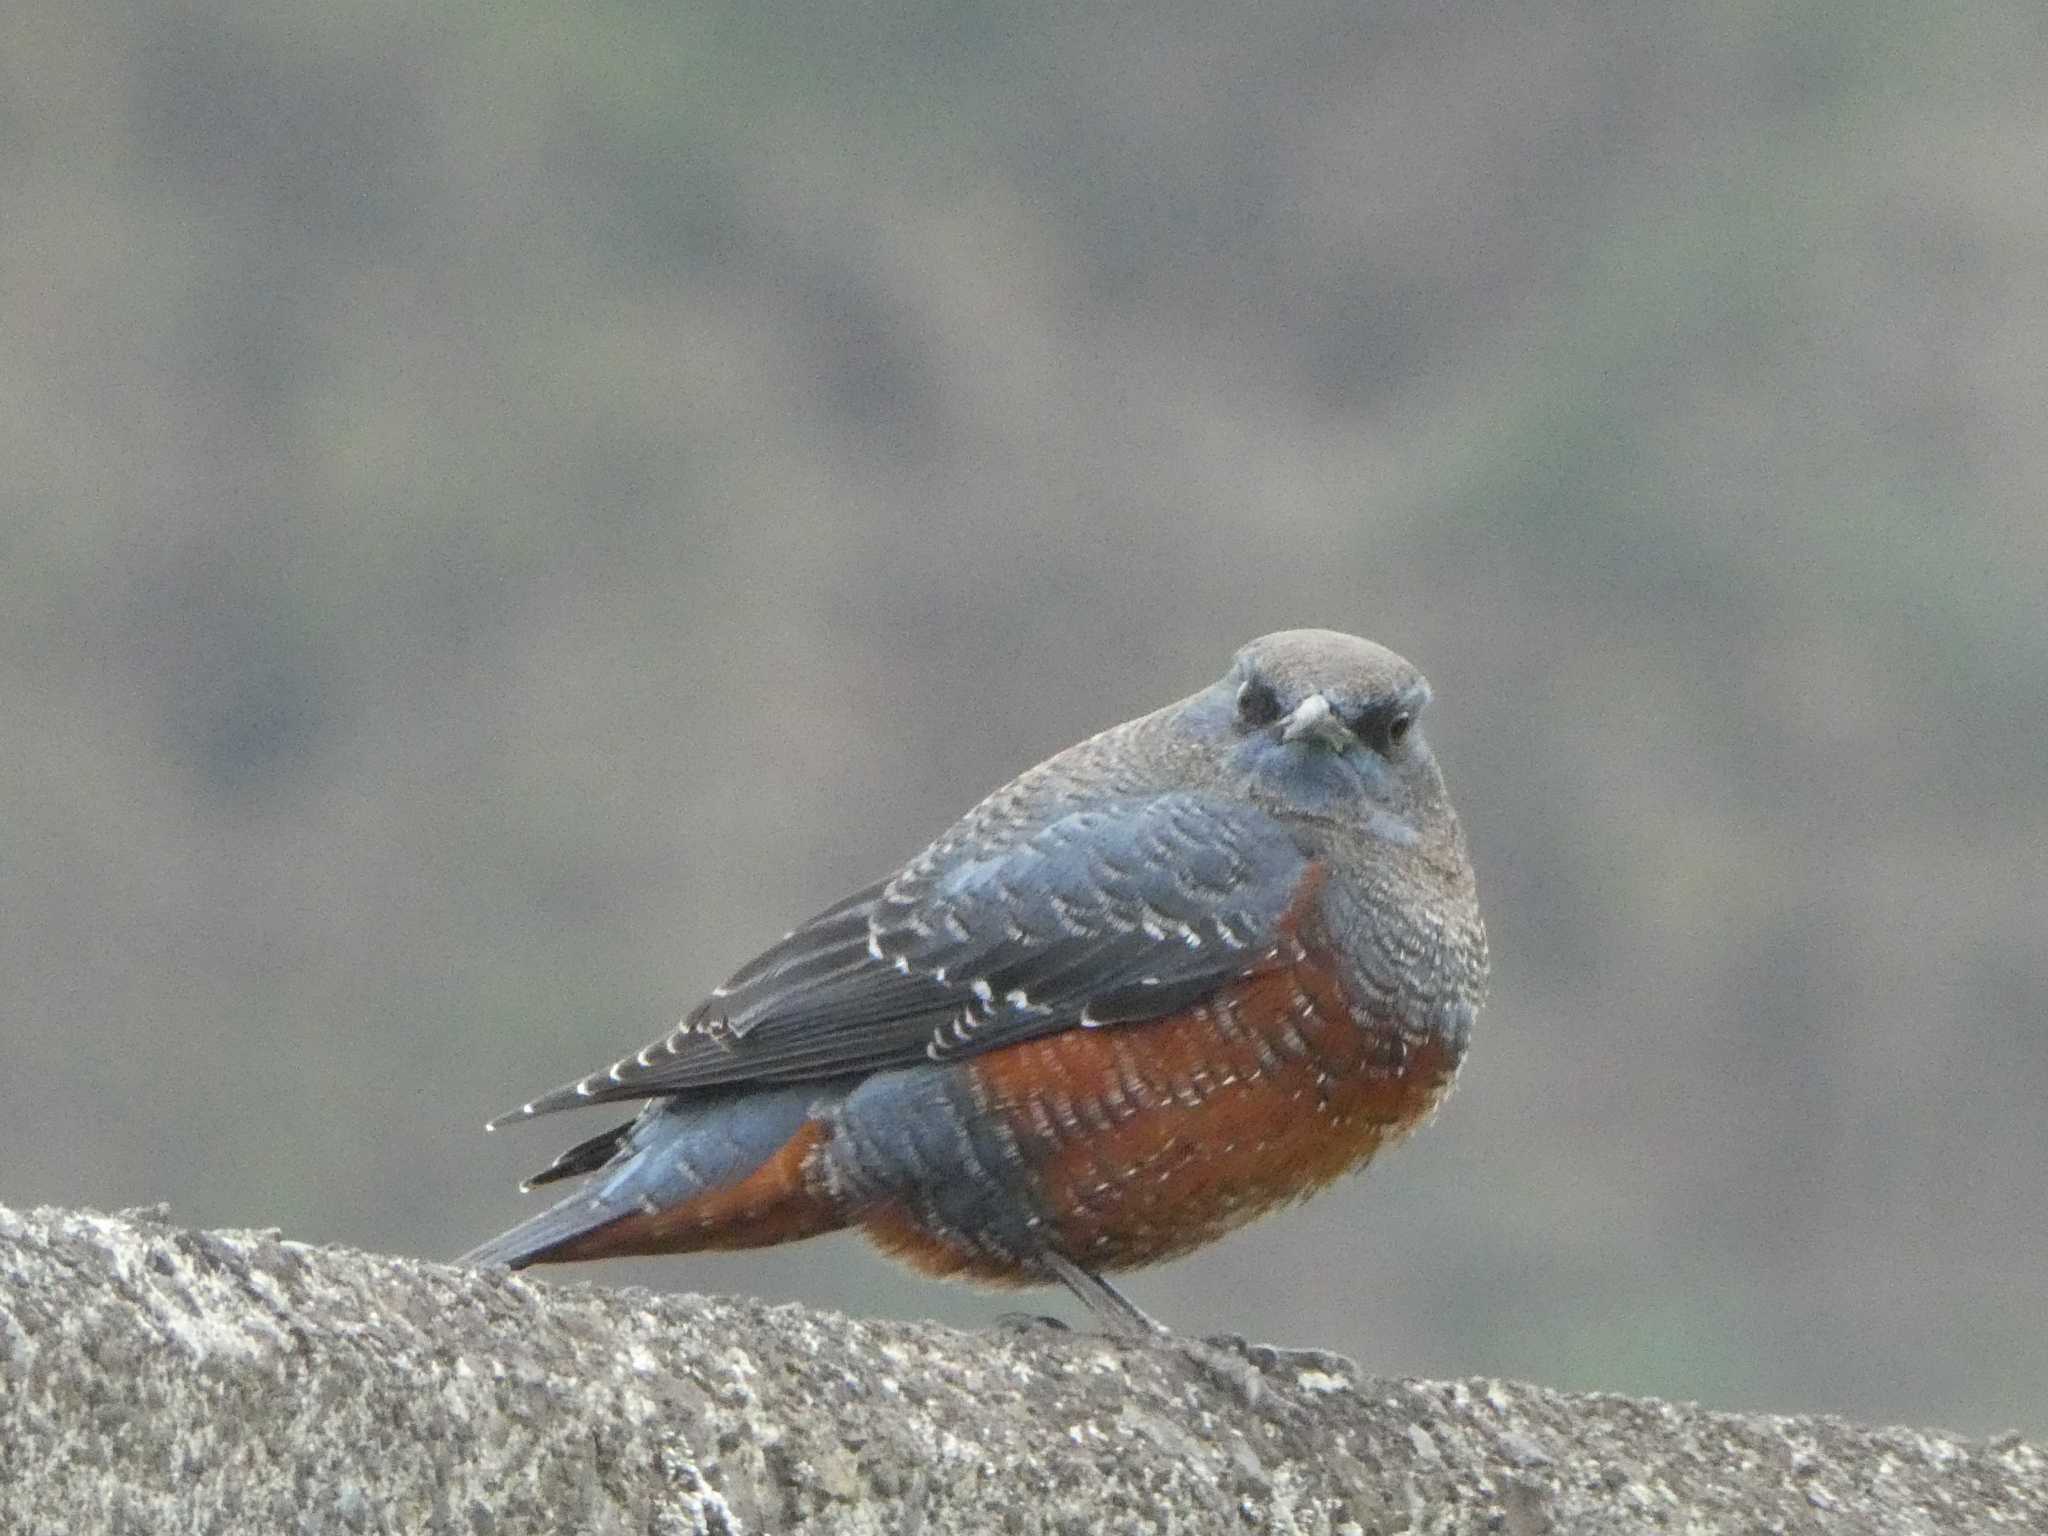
(1328, 727)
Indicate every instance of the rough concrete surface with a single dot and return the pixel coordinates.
(165, 1380)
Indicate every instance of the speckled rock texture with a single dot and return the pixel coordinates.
(165, 1380)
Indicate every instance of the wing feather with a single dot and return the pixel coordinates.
(1109, 912)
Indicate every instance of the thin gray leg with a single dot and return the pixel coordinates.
(1117, 1311)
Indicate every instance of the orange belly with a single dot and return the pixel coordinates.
(1151, 1139)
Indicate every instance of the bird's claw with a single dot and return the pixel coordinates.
(1271, 1357)
(1028, 1322)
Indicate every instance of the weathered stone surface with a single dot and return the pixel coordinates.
(166, 1380)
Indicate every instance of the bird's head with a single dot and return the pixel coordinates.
(1327, 727)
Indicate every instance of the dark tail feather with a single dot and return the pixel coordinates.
(693, 1174)
(533, 1240)
(584, 1157)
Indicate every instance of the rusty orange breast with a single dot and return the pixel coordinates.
(1151, 1139)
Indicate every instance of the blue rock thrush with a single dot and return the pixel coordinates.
(1187, 971)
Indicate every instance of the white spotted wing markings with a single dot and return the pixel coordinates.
(1004, 932)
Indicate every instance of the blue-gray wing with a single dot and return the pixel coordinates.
(1111, 912)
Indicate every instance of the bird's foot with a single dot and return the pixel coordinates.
(1261, 1375)
(1028, 1322)
(1271, 1357)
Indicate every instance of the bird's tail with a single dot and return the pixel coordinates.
(725, 1172)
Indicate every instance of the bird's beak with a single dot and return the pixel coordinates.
(1313, 719)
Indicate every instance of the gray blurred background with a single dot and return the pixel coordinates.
(507, 512)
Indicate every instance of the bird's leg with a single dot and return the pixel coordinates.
(1234, 1363)
(1118, 1313)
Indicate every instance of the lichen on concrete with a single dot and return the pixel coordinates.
(158, 1379)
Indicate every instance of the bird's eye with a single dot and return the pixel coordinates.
(1257, 703)
(1382, 729)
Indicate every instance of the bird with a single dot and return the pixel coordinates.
(1185, 972)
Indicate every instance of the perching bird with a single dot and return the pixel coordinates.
(1187, 971)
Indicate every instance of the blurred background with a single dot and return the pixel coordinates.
(506, 512)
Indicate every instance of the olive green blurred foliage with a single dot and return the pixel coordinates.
(509, 507)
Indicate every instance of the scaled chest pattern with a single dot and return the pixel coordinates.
(1147, 1140)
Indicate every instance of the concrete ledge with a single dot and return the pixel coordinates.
(165, 1380)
